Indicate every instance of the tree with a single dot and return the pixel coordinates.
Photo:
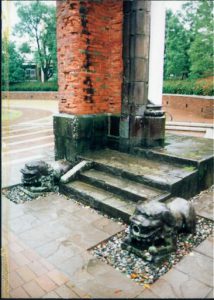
(197, 17)
(38, 22)
(12, 63)
(176, 61)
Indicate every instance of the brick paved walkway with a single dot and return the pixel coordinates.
(45, 255)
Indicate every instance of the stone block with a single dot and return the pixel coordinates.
(154, 131)
(100, 125)
(71, 174)
(139, 46)
(142, 22)
(60, 125)
(139, 92)
(75, 134)
(124, 128)
(139, 69)
(59, 147)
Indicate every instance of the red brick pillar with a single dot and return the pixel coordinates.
(89, 46)
(90, 72)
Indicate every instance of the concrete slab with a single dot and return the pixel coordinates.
(51, 242)
(154, 170)
(198, 267)
(61, 237)
(203, 204)
(175, 284)
(189, 148)
(206, 247)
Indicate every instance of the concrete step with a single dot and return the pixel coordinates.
(179, 180)
(109, 203)
(186, 151)
(121, 186)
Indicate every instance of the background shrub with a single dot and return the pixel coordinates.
(203, 86)
(33, 86)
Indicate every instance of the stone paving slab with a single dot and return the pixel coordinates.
(203, 204)
(45, 246)
(48, 249)
(211, 294)
(175, 284)
(197, 266)
(206, 247)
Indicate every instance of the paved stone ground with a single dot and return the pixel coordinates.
(45, 242)
(26, 138)
(45, 255)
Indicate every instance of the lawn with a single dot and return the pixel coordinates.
(10, 114)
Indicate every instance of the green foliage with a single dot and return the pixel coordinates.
(10, 114)
(176, 61)
(201, 50)
(189, 87)
(33, 86)
(12, 63)
(189, 40)
(38, 22)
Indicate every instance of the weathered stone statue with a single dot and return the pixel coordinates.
(38, 176)
(154, 227)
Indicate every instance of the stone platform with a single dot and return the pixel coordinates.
(116, 181)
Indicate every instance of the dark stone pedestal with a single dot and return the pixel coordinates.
(75, 134)
(143, 130)
(153, 126)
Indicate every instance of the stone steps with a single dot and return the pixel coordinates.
(123, 187)
(109, 203)
(179, 180)
(115, 182)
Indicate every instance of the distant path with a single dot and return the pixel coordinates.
(27, 137)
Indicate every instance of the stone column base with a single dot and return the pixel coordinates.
(153, 126)
(76, 134)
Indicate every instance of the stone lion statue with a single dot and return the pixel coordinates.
(154, 227)
(40, 176)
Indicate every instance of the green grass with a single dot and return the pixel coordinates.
(10, 114)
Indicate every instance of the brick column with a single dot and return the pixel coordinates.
(90, 70)
(89, 45)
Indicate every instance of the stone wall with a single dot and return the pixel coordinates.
(89, 47)
(201, 106)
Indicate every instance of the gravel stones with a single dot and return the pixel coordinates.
(20, 194)
(144, 271)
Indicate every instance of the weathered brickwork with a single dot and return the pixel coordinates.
(198, 105)
(90, 67)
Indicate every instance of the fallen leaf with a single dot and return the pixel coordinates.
(147, 286)
(134, 275)
(117, 291)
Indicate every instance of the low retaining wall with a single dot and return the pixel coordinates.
(202, 106)
(30, 95)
